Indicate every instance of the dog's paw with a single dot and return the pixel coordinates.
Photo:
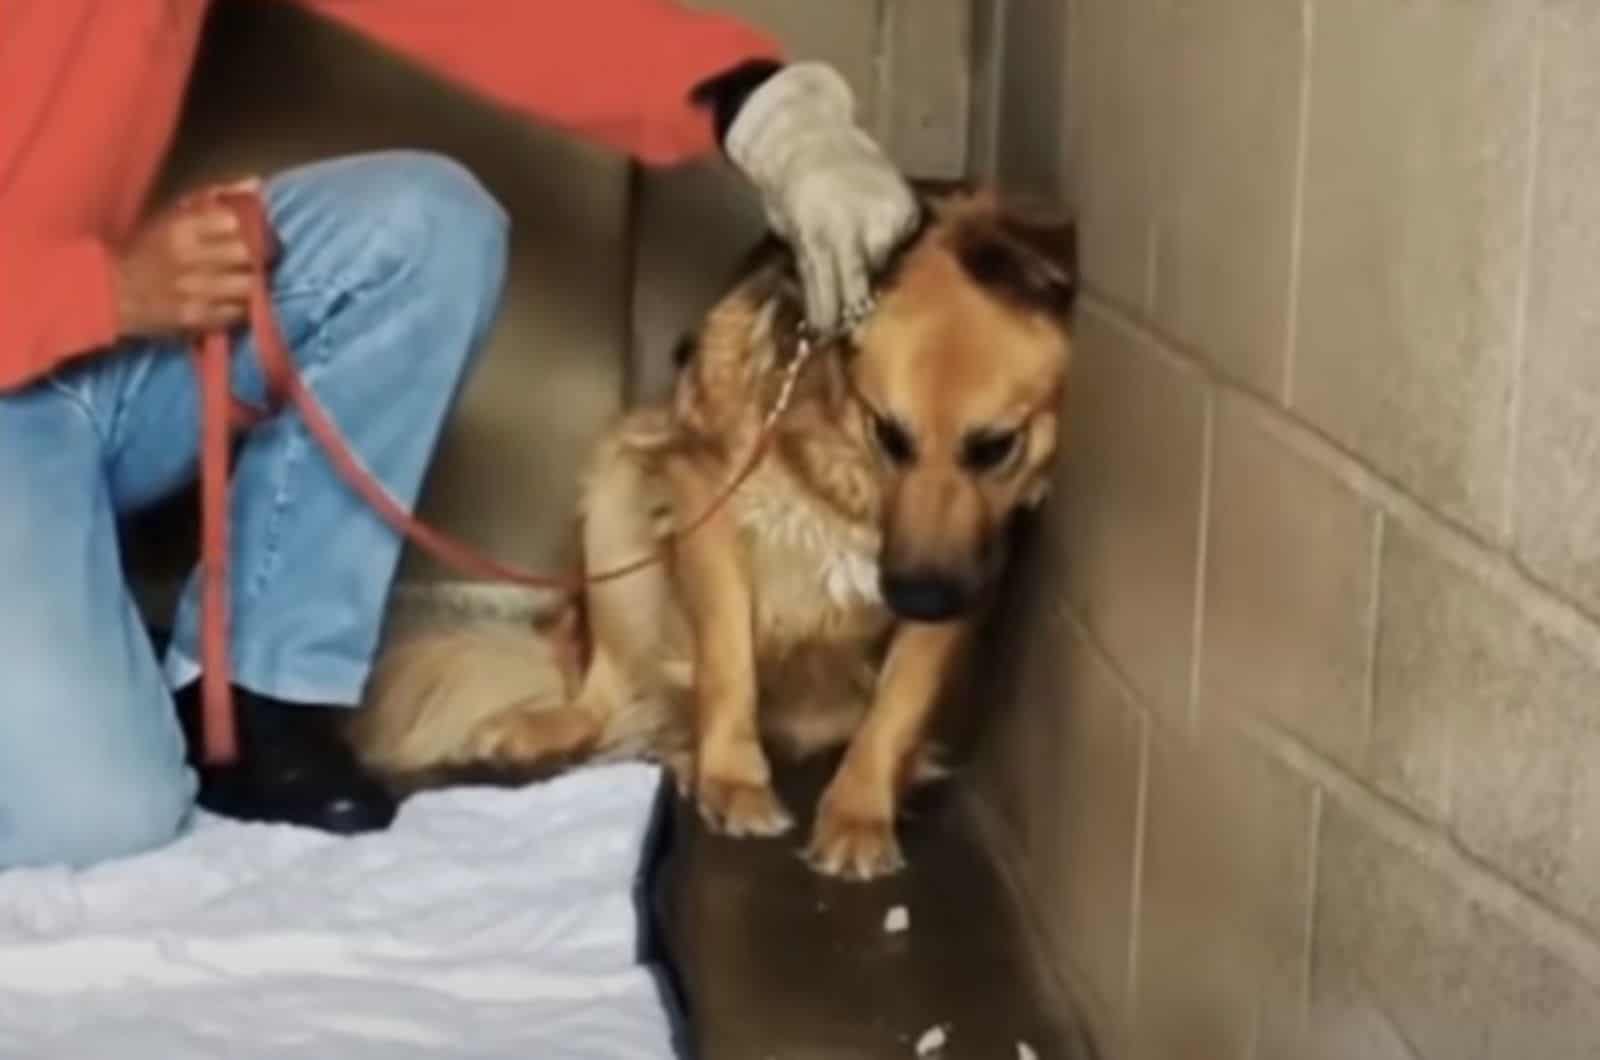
(741, 809)
(854, 847)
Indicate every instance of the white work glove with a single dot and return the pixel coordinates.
(828, 189)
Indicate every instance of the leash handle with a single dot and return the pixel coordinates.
(216, 685)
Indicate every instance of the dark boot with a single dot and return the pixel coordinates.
(294, 767)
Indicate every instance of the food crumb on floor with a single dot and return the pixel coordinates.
(1025, 1052)
(933, 1039)
(897, 920)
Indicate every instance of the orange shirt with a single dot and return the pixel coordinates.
(90, 91)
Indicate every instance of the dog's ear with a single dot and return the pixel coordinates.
(1027, 256)
(1053, 239)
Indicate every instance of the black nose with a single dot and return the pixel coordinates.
(924, 597)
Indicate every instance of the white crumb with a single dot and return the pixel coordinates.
(932, 1040)
(1025, 1052)
(897, 920)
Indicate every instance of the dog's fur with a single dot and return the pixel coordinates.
(826, 604)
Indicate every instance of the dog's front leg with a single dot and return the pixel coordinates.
(733, 781)
(854, 833)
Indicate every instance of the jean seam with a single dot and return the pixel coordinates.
(297, 442)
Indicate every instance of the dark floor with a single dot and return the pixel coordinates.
(777, 963)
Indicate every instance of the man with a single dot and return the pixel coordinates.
(388, 281)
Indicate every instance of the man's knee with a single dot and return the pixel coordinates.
(439, 217)
(423, 226)
(463, 233)
(439, 179)
(86, 816)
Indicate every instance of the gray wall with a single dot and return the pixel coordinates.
(1305, 683)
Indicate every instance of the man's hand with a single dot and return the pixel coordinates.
(186, 270)
(827, 187)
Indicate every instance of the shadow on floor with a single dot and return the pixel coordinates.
(778, 963)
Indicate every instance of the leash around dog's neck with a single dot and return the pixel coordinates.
(806, 343)
(220, 412)
(805, 346)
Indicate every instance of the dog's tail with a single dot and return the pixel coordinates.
(431, 694)
(495, 704)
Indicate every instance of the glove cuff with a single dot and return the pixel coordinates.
(725, 94)
(798, 100)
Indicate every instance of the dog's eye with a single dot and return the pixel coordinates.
(893, 440)
(987, 450)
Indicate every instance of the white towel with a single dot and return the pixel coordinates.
(484, 923)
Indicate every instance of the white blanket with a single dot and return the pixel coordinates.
(485, 923)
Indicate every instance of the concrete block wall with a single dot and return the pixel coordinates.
(1298, 709)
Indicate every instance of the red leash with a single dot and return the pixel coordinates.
(221, 413)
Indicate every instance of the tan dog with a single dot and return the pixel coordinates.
(827, 603)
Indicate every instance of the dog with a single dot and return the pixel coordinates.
(827, 603)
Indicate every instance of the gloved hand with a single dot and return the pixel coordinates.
(827, 188)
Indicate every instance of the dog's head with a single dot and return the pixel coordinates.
(955, 384)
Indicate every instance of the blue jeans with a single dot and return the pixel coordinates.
(390, 277)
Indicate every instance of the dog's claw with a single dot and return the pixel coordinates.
(852, 848)
(740, 809)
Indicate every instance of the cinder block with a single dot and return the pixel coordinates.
(1415, 192)
(1133, 470)
(1092, 824)
(1557, 502)
(1033, 104)
(1437, 667)
(1483, 714)
(1389, 939)
(1195, 993)
(1280, 815)
(1288, 589)
(989, 69)
(1351, 1028)
(928, 95)
(1019, 735)
(1227, 203)
(1127, 122)
(1015, 700)
(1073, 128)
(1457, 980)
(1224, 902)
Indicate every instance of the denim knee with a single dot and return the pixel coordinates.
(90, 815)
(447, 224)
(433, 185)
(450, 233)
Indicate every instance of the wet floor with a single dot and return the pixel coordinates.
(777, 963)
